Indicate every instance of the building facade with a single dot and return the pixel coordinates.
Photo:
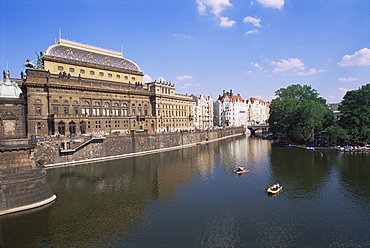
(77, 88)
(230, 110)
(203, 111)
(258, 111)
(12, 109)
(173, 112)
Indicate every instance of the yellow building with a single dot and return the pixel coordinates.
(173, 111)
(77, 88)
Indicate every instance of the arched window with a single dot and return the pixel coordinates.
(38, 110)
(72, 127)
(106, 104)
(115, 104)
(82, 127)
(96, 104)
(61, 128)
(124, 105)
(86, 103)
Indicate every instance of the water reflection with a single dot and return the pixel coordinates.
(191, 198)
(25, 229)
(302, 172)
(354, 177)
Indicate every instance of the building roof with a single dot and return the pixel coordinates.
(232, 98)
(85, 53)
(252, 100)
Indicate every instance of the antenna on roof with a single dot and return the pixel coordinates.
(122, 50)
(60, 34)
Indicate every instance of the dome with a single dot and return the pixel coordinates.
(9, 89)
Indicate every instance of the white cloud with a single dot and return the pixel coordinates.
(277, 4)
(216, 6)
(254, 31)
(254, 20)
(147, 78)
(361, 57)
(186, 86)
(225, 22)
(187, 36)
(256, 65)
(348, 79)
(343, 89)
(248, 72)
(310, 72)
(185, 77)
(288, 64)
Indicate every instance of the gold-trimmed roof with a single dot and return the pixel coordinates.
(85, 53)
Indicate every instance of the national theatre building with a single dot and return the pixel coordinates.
(77, 88)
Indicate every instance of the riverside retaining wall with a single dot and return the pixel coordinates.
(23, 183)
(113, 147)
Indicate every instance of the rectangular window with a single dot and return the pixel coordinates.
(86, 111)
(101, 74)
(109, 75)
(118, 76)
(96, 112)
(75, 110)
(92, 73)
(72, 69)
(55, 110)
(82, 71)
(60, 68)
(66, 110)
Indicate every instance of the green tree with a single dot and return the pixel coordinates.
(337, 135)
(297, 113)
(355, 115)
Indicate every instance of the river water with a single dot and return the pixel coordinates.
(191, 198)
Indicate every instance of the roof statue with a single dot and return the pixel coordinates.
(9, 89)
(39, 61)
(29, 64)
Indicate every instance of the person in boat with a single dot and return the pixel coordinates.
(240, 168)
(276, 186)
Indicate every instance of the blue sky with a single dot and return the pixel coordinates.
(253, 47)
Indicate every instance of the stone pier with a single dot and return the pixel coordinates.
(23, 182)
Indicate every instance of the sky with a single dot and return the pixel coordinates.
(252, 47)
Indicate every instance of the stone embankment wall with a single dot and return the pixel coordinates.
(23, 183)
(112, 147)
